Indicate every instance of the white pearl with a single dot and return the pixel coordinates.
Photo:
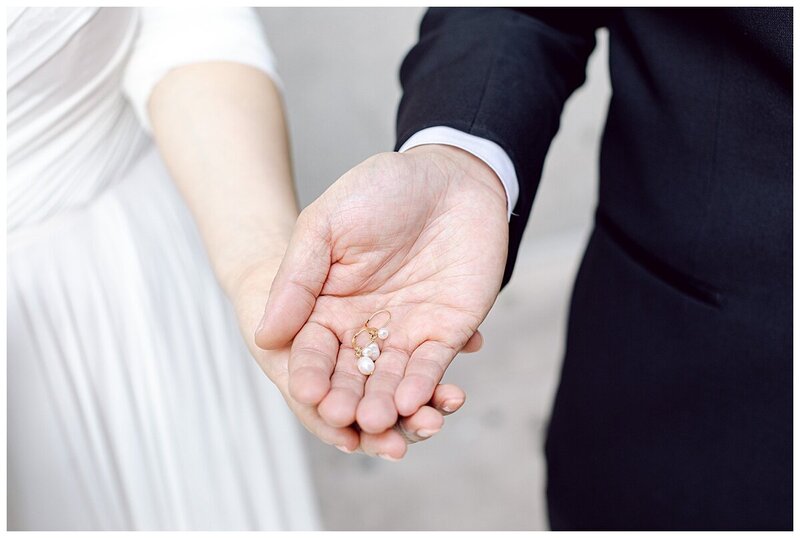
(383, 333)
(372, 351)
(365, 365)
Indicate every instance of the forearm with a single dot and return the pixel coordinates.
(221, 130)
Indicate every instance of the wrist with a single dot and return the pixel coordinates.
(253, 255)
(463, 164)
(253, 277)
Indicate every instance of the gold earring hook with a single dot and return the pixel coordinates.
(366, 323)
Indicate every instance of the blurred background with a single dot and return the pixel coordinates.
(485, 470)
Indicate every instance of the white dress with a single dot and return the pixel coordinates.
(132, 400)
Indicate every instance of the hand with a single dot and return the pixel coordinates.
(220, 128)
(422, 234)
(249, 297)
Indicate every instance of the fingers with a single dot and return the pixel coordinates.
(420, 426)
(429, 419)
(338, 408)
(297, 284)
(311, 363)
(423, 424)
(389, 444)
(376, 411)
(424, 371)
(475, 343)
(448, 398)
(345, 439)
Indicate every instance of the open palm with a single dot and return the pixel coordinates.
(249, 298)
(422, 235)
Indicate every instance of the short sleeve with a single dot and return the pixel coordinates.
(172, 37)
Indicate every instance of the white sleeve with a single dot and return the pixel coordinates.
(486, 150)
(172, 37)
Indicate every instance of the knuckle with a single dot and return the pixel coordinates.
(346, 378)
(386, 377)
(305, 354)
(427, 367)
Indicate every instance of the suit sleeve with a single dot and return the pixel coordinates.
(501, 74)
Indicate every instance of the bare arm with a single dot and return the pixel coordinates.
(221, 130)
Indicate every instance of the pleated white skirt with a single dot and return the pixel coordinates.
(132, 400)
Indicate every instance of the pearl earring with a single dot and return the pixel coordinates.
(367, 355)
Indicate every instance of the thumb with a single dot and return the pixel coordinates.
(297, 284)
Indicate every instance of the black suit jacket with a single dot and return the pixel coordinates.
(674, 407)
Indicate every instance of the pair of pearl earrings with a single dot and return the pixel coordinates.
(367, 355)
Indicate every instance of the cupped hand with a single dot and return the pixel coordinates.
(249, 300)
(421, 234)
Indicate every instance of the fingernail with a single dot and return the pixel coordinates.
(452, 405)
(426, 433)
(344, 449)
(387, 457)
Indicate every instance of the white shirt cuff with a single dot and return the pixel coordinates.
(492, 154)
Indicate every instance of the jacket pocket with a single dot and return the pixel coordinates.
(660, 269)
